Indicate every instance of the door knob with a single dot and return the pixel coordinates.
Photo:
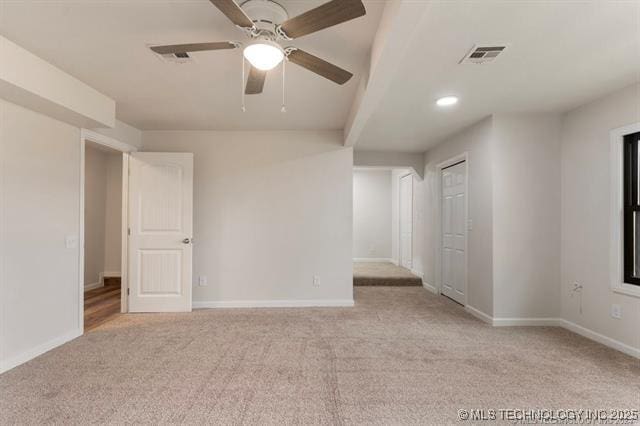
(187, 241)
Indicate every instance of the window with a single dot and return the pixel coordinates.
(631, 205)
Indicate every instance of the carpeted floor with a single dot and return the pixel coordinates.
(383, 274)
(400, 356)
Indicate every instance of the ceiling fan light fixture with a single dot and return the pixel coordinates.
(447, 101)
(263, 54)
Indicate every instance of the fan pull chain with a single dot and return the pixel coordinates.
(284, 108)
(242, 86)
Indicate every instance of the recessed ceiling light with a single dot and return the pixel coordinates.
(447, 101)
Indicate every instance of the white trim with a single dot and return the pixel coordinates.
(110, 274)
(93, 286)
(408, 169)
(417, 273)
(526, 322)
(400, 260)
(429, 287)
(90, 135)
(103, 140)
(615, 241)
(273, 303)
(372, 259)
(479, 314)
(600, 338)
(124, 251)
(38, 350)
(556, 322)
(464, 156)
(81, 286)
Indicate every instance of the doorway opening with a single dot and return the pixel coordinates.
(102, 234)
(385, 214)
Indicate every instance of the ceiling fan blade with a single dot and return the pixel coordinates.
(193, 47)
(327, 15)
(232, 11)
(255, 82)
(319, 66)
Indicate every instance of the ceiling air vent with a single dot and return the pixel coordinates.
(482, 54)
(175, 58)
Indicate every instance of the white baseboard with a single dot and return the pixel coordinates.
(525, 322)
(372, 259)
(395, 262)
(417, 273)
(556, 322)
(38, 350)
(110, 274)
(92, 286)
(274, 303)
(429, 287)
(600, 338)
(479, 314)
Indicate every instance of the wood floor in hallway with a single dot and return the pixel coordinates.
(102, 304)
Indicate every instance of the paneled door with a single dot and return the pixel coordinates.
(160, 231)
(406, 221)
(454, 234)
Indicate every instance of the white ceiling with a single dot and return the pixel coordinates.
(105, 45)
(561, 54)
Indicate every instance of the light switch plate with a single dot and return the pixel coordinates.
(202, 281)
(71, 241)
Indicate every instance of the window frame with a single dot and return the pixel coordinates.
(631, 206)
(616, 249)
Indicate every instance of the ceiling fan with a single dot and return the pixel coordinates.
(270, 24)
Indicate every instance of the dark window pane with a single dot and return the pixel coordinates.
(631, 222)
(636, 236)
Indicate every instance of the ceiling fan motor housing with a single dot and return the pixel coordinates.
(265, 14)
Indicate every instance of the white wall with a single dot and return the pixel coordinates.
(419, 226)
(586, 195)
(113, 217)
(102, 213)
(415, 161)
(526, 215)
(476, 140)
(271, 210)
(396, 174)
(95, 190)
(39, 208)
(372, 214)
(29, 81)
(122, 132)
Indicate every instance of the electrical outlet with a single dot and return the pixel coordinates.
(616, 311)
(202, 281)
(316, 281)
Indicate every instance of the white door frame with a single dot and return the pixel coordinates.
(438, 221)
(400, 219)
(125, 148)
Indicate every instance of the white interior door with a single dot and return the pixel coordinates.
(406, 221)
(454, 234)
(160, 226)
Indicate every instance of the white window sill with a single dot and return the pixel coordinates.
(627, 289)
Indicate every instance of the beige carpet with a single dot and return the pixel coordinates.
(383, 274)
(401, 356)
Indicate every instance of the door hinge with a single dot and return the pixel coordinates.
(128, 291)
(128, 231)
